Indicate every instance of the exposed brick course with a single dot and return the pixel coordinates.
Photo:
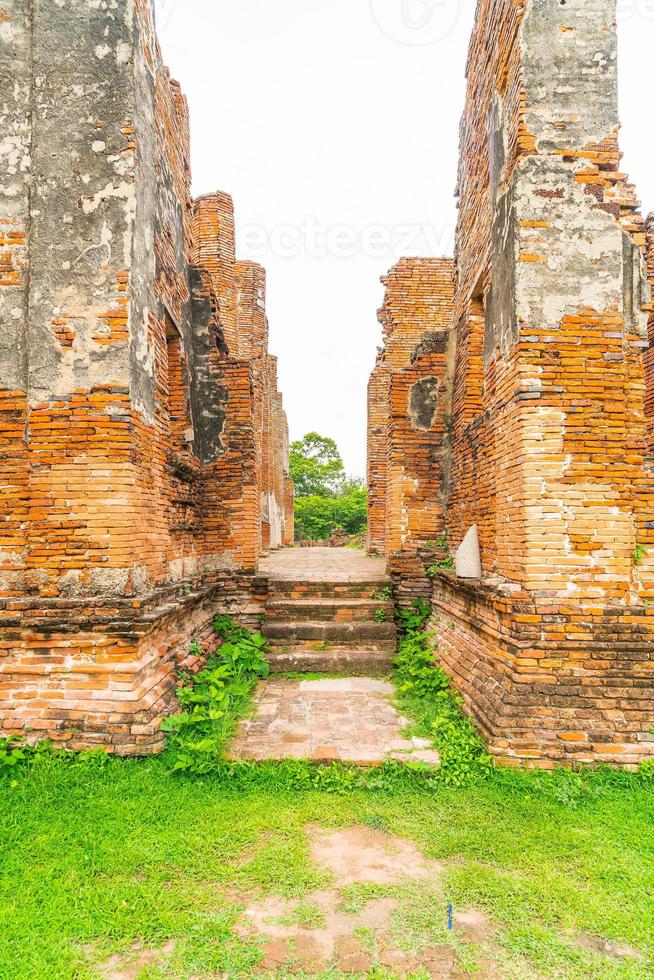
(407, 413)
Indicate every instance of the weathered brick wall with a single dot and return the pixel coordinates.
(124, 652)
(554, 655)
(649, 354)
(417, 443)
(550, 402)
(270, 422)
(15, 142)
(130, 445)
(547, 178)
(232, 502)
(407, 406)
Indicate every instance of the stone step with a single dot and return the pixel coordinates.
(285, 590)
(340, 634)
(335, 610)
(342, 661)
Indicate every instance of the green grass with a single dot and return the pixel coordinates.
(98, 855)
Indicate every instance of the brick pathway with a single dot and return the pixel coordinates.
(346, 719)
(329, 612)
(323, 565)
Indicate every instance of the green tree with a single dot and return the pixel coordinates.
(317, 517)
(325, 499)
(316, 466)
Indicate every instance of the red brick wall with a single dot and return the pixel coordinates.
(553, 653)
(132, 461)
(404, 455)
(549, 412)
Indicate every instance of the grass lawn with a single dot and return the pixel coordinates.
(101, 860)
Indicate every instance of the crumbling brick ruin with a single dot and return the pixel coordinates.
(541, 433)
(407, 405)
(143, 442)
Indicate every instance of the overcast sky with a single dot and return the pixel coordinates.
(334, 125)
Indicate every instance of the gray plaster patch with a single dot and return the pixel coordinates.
(581, 253)
(70, 584)
(108, 581)
(569, 54)
(423, 402)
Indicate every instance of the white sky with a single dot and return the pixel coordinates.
(316, 114)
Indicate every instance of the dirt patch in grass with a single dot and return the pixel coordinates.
(362, 855)
(614, 951)
(325, 930)
(130, 965)
(292, 938)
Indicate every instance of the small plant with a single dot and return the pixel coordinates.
(444, 565)
(412, 620)
(437, 543)
(640, 554)
(380, 616)
(426, 694)
(13, 751)
(307, 915)
(383, 595)
(215, 697)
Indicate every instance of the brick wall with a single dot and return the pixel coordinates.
(407, 405)
(131, 392)
(549, 404)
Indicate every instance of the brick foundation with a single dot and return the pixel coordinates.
(546, 681)
(105, 675)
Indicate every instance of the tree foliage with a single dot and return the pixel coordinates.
(316, 466)
(325, 499)
(316, 517)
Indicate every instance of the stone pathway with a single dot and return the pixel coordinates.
(323, 565)
(333, 719)
(330, 611)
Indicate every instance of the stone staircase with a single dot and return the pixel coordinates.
(326, 613)
(330, 627)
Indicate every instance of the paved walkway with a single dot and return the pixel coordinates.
(342, 719)
(323, 565)
(329, 610)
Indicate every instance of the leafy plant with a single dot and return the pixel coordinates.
(412, 620)
(444, 565)
(640, 553)
(426, 694)
(215, 698)
(437, 543)
(380, 615)
(383, 595)
(13, 751)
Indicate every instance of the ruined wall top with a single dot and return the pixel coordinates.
(418, 299)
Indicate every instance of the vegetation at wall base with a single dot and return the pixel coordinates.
(426, 695)
(215, 698)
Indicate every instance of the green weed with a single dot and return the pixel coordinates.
(215, 698)
(425, 694)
